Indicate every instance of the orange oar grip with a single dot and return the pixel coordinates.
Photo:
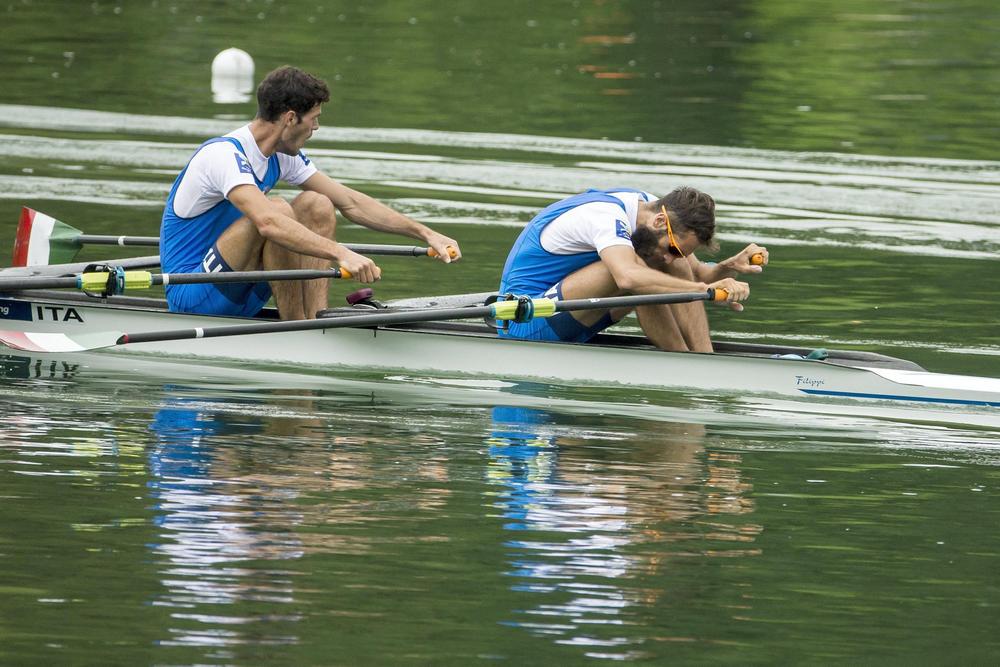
(757, 259)
(345, 274)
(719, 294)
(431, 252)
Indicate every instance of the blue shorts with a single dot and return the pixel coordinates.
(239, 299)
(561, 326)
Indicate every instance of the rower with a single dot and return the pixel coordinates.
(604, 243)
(218, 216)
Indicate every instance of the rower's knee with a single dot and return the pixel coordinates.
(681, 268)
(316, 212)
(282, 206)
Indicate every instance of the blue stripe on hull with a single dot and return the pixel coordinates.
(894, 397)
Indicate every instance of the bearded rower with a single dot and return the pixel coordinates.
(620, 241)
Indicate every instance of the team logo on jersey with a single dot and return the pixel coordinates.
(243, 164)
(304, 158)
(622, 230)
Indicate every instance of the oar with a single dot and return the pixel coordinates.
(41, 239)
(116, 281)
(519, 310)
(360, 248)
(53, 270)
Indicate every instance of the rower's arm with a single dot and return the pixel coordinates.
(275, 226)
(364, 210)
(289, 233)
(633, 276)
(741, 262)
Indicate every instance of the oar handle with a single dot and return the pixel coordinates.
(452, 252)
(345, 274)
(757, 259)
(717, 294)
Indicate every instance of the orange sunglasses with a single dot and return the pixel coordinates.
(672, 246)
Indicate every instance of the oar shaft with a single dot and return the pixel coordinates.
(97, 281)
(98, 239)
(639, 300)
(380, 319)
(360, 248)
(246, 276)
(40, 282)
(499, 310)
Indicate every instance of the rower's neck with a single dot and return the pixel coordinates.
(267, 135)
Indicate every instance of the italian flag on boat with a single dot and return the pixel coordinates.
(43, 240)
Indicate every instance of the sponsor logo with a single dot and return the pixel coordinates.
(243, 164)
(15, 310)
(302, 155)
(622, 230)
(801, 380)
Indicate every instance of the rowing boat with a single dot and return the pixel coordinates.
(412, 335)
(33, 319)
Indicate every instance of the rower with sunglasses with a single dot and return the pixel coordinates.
(623, 241)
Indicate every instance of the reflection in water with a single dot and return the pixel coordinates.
(588, 538)
(210, 519)
(245, 489)
(293, 522)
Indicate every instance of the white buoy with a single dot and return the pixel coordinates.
(232, 76)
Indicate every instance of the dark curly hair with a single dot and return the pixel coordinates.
(289, 88)
(692, 210)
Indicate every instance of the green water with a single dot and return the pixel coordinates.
(883, 77)
(159, 512)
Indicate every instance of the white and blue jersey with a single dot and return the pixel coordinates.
(563, 238)
(197, 212)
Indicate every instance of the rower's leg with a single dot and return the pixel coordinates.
(242, 246)
(592, 281)
(244, 249)
(678, 327)
(301, 299)
(595, 280)
(662, 328)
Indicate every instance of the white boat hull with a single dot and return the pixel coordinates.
(457, 351)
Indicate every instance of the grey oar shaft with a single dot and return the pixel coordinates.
(360, 248)
(243, 276)
(18, 284)
(98, 239)
(55, 282)
(403, 317)
(633, 301)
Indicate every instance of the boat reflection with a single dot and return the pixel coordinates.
(594, 543)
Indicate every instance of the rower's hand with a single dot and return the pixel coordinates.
(751, 259)
(361, 268)
(736, 291)
(445, 249)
